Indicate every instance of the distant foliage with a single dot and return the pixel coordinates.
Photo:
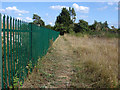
(65, 23)
(81, 26)
(49, 26)
(37, 20)
(97, 29)
(99, 26)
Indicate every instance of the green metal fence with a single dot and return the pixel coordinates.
(22, 44)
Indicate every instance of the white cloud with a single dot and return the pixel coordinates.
(103, 8)
(19, 14)
(11, 8)
(58, 7)
(34, 13)
(14, 8)
(50, 23)
(21, 11)
(110, 3)
(81, 9)
(28, 19)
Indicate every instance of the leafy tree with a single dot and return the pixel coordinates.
(61, 28)
(93, 26)
(63, 21)
(105, 24)
(70, 11)
(70, 28)
(64, 18)
(72, 14)
(49, 26)
(38, 20)
(99, 26)
(82, 26)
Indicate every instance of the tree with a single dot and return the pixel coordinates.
(38, 20)
(72, 14)
(70, 11)
(61, 28)
(49, 26)
(81, 26)
(63, 20)
(105, 24)
(64, 17)
(99, 26)
(93, 26)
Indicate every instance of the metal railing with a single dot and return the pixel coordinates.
(21, 44)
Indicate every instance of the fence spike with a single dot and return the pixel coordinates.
(8, 50)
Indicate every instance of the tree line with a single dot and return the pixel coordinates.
(65, 23)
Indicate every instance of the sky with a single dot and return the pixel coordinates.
(48, 11)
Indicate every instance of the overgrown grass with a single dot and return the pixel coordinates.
(90, 74)
(96, 64)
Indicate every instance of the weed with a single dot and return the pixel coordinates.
(16, 82)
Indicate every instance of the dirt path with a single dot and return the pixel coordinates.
(63, 73)
(58, 62)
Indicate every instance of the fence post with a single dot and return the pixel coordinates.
(1, 79)
(30, 28)
(30, 41)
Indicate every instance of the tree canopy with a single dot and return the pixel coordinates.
(81, 26)
(37, 20)
(99, 26)
(72, 14)
(64, 18)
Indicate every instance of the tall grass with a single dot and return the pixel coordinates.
(96, 64)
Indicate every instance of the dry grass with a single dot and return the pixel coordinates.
(97, 61)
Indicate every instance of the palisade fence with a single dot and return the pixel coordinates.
(21, 44)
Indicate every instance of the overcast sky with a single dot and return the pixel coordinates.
(89, 11)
